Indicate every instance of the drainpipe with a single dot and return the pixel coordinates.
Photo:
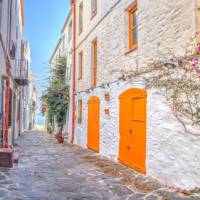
(73, 3)
(8, 68)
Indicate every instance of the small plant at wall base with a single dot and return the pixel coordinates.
(178, 79)
(107, 96)
(56, 97)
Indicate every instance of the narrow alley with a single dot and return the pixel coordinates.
(48, 170)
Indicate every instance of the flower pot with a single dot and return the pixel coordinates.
(107, 111)
(60, 140)
(60, 137)
(107, 97)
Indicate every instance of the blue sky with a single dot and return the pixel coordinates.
(43, 22)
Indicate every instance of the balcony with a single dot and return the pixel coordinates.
(21, 72)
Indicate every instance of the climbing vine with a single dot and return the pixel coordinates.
(178, 79)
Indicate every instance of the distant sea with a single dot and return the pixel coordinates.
(40, 119)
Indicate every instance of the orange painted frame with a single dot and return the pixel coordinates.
(132, 26)
(93, 141)
(132, 93)
(94, 63)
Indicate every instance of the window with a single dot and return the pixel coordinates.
(0, 13)
(94, 63)
(80, 70)
(133, 27)
(63, 39)
(10, 109)
(17, 32)
(81, 18)
(80, 105)
(93, 8)
(70, 31)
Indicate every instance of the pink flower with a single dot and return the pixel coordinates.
(198, 71)
(198, 49)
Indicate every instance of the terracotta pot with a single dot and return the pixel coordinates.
(107, 97)
(107, 111)
(60, 139)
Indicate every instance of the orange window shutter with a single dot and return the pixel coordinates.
(80, 72)
(94, 63)
(80, 107)
(133, 26)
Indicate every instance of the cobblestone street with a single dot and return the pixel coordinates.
(48, 170)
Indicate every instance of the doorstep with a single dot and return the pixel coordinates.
(6, 157)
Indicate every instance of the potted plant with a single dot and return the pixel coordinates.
(107, 111)
(56, 99)
(107, 96)
(60, 137)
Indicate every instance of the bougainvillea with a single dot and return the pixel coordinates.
(56, 96)
(178, 79)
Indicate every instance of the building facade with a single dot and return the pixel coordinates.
(64, 49)
(14, 71)
(32, 101)
(120, 118)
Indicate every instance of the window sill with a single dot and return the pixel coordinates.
(132, 49)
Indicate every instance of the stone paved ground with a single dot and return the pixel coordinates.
(48, 170)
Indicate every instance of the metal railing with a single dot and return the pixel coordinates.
(21, 72)
(21, 69)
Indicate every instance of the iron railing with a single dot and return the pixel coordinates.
(21, 72)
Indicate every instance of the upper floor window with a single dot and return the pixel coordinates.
(81, 18)
(80, 70)
(94, 63)
(93, 8)
(0, 13)
(63, 40)
(80, 108)
(133, 27)
(70, 31)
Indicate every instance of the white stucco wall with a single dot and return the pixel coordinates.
(172, 154)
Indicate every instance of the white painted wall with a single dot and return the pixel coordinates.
(172, 154)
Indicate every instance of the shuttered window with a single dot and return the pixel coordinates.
(133, 27)
(81, 18)
(80, 107)
(80, 70)
(0, 13)
(94, 63)
(10, 109)
(93, 8)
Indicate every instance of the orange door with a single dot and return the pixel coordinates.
(132, 147)
(93, 123)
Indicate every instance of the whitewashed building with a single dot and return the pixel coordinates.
(119, 118)
(64, 49)
(14, 70)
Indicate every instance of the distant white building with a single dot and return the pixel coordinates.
(32, 102)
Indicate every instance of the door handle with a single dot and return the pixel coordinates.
(130, 131)
(128, 147)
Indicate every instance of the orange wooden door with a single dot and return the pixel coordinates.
(132, 147)
(93, 123)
